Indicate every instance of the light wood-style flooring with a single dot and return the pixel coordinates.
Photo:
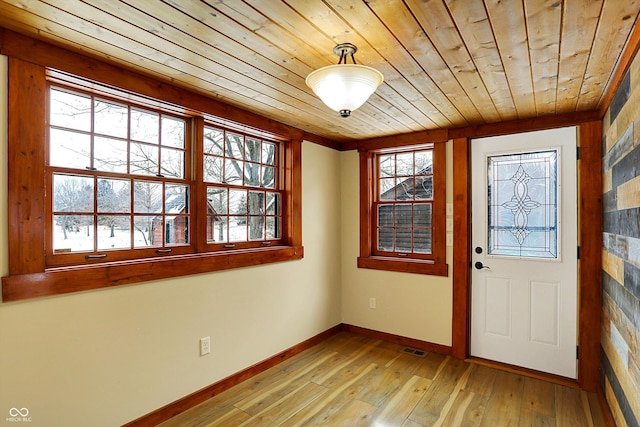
(350, 380)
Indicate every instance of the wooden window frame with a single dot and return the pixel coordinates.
(29, 276)
(436, 265)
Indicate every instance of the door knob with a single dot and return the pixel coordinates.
(480, 266)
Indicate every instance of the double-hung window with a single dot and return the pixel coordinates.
(117, 180)
(403, 209)
(143, 182)
(241, 174)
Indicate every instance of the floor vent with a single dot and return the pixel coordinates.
(414, 351)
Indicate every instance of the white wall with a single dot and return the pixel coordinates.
(410, 305)
(105, 357)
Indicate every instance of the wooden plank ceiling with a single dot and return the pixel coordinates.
(446, 63)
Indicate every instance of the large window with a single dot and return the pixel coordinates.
(403, 209)
(117, 179)
(121, 180)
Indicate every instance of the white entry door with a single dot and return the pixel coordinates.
(524, 250)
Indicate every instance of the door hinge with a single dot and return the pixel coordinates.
(577, 352)
(577, 153)
(578, 253)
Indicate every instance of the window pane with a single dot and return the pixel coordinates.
(256, 203)
(238, 229)
(176, 230)
(387, 189)
(235, 146)
(233, 171)
(70, 110)
(273, 229)
(144, 159)
(176, 199)
(147, 231)
(268, 177)
(256, 228)
(424, 188)
(145, 126)
(238, 202)
(147, 197)
(110, 119)
(405, 189)
(114, 195)
(385, 216)
(213, 169)
(253, 150)
(173, 131)
(387, 165)
(217, 199)
(404, 164)
(114, 232)
(172, 163)
(424, 162)
(268, 153)
(252, 174)
(216, 228)
(72, 233)
(69, 149)
(72, 193)
(385, 239)
(110, 154)
(213, 143)
(273, 203)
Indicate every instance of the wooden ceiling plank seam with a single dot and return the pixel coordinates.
(543, 23)
(365, 23)
(335, 29)
(404, 27)
(438, 27)
(475, 31)
(579, 22)
(613, 28)
(508, 24)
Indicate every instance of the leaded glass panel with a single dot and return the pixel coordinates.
(523, 204)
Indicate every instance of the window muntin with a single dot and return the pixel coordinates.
(403, 206)
(243, 198)
(118, 179)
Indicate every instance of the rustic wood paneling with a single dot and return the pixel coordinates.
(447, 64)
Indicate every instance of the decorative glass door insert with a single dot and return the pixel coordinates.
(523, 204)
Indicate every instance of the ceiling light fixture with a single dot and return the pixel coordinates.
(344, 87)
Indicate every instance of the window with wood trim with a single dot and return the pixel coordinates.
(403, 209)
(117, 180)
(112, 184)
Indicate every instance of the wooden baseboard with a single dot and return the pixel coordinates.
(193, 399)
(397, 339)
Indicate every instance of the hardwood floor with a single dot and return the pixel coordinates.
(350, 380)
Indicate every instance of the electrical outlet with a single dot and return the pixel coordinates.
(449, 239)
(205, 346)
(372, 303)
(449, 209)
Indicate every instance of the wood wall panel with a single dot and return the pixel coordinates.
(620, 336)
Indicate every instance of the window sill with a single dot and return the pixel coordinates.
(63, 280)
(403, 265)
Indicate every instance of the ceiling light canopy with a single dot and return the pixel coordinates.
(344, 87)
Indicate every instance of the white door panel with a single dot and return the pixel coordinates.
(524, 235)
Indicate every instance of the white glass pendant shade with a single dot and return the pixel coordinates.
(344, 87)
